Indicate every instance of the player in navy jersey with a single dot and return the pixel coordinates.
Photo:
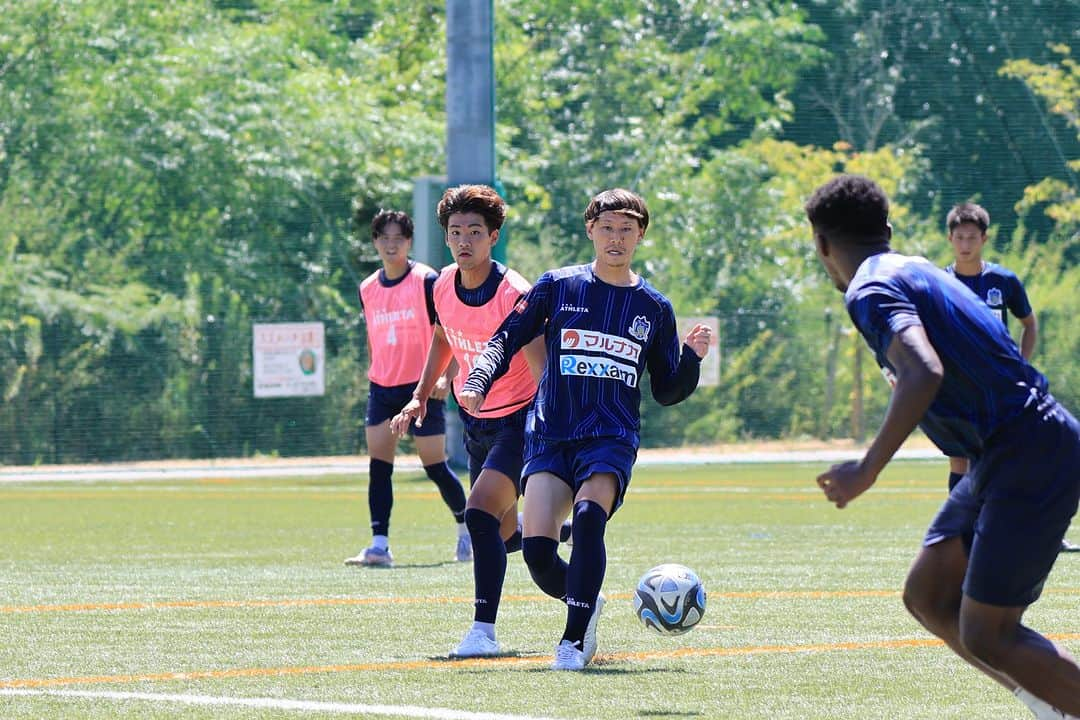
(998, 287)
(399, 312)
(603, 325)
(961, 378)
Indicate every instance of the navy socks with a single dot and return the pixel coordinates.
(588, 563)
(380, 495)
(548, 570)
(489, 563)
(449, 487)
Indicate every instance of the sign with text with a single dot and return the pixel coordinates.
(710, 366)
(289, 359)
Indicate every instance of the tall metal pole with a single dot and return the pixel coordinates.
(470, 92)
(470, 125)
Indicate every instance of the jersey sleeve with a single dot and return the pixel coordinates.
(1017, 299)
(524, 323)
(674, 368)
(429, 296)
(880, 311)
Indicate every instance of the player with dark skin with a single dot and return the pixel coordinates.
(1023, 488)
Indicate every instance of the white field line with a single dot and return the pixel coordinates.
(359, 466)
(407, 711)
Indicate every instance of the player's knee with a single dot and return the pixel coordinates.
(480, 522)
(926, 604)
(540, 554)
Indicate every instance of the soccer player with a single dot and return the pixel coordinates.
(399, 312)
(998, 287)
(603, 325)
(472, 297)
(959, 375)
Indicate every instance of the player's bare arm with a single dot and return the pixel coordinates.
(918, 376)
(536, 355)
(698, 339)
(439, 357)
(1029, 335)
(442, 386)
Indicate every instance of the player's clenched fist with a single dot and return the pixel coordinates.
(699, 338)
(470, 401)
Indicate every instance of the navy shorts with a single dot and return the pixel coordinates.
(576, 461)
(495, 444)
(1013, 507)
(386, 402)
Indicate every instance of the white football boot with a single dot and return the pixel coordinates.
(568, 657)
(476, 643)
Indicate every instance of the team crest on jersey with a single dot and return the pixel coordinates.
(640, 328)
(993, 297)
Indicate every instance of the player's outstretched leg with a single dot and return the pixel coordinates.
(588, 563)
(491, 497)
(995, 636)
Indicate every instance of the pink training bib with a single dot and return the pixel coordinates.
(469, 328)
(398, 327)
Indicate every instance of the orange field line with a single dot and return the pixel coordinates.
(493, 663)
(329, 602)
(332, 602)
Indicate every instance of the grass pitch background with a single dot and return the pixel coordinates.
(236, 589)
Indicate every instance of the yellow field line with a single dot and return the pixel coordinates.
(492, 663)
(332, 602)
(329, 602)
(809, 493)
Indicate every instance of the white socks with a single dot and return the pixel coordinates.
(380, 541)
(1041, 709)
(486, 628)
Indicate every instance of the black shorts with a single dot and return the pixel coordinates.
(576, 461)
(495, 444)
(386, 402)
(1013, 507)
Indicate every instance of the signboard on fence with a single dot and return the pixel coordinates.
(710, 366)
(289, 359)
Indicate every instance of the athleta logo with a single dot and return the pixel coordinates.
(382, 317)
(584, 366)
(573, 308)
(611, 345)
(640, 328)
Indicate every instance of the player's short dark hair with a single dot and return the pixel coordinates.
(618, 200)
(852, 209)
(967, 212)
(479, 199)
(386, 217)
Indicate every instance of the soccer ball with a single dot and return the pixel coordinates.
(670, 599)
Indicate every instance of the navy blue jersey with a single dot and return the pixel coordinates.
(600, 339)
(999, 288)
(986, 381)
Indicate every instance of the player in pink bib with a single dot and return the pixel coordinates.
(472, 298)
(400, 312)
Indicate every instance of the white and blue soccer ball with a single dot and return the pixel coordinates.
(670, 599)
